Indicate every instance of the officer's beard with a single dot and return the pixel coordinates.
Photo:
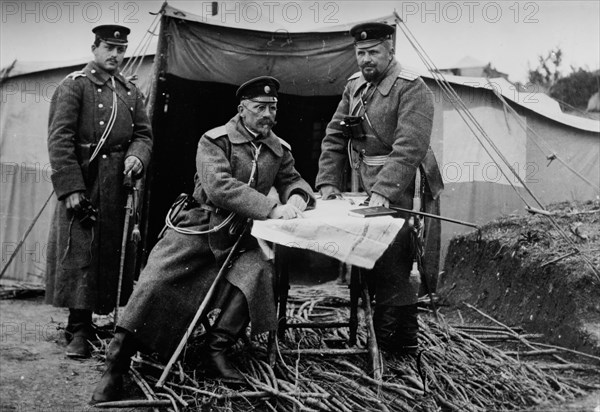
(375, 74)
(265, 126)
(372, 75)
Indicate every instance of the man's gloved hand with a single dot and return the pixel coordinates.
(298, 202)
(379, 200)
(133, 165)
(73, 201)
(329, 192)
(286, 211)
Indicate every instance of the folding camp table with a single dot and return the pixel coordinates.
(329, 230)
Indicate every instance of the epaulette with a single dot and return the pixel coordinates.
(76, 74)
(285, 144)
(355, 76)
(130, 79)
(408, 75)
(216, 132)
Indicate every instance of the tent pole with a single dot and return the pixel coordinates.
(159, 59)
(35, 219)
(159, 63)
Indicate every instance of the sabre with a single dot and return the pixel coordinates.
(445, 219)
(128, 185)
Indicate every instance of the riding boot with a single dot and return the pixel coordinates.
(118, 358)
(407, 330)
(396, 328)
(79, 332)
(230, 324)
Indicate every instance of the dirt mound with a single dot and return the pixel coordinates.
(522, 271)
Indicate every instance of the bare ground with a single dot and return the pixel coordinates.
(36, 376)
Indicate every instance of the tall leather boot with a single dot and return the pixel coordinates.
(79, 332)
(118, 358)
(407, 330)
(396, 328)
(230, 324)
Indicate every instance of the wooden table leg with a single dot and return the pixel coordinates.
(374, 354)
(354, 295)
(283, 287)
(271, 357)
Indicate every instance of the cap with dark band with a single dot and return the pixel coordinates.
(371, 34)
(261, 89)
(112, 34)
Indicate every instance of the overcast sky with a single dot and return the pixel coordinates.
(509, 34)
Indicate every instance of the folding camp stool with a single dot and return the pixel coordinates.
(358, 289)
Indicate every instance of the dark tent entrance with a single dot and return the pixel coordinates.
(198, 67)
(185, 109)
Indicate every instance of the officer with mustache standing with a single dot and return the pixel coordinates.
(391, 114)
(98, 132)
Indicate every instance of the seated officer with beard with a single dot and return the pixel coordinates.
(237, 164)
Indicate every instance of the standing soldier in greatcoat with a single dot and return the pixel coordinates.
(98, 132)
(382, 128)
(237, 164)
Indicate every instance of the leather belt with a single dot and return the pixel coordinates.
(374, 160)
(112, 149)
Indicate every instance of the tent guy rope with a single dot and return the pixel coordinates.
(472, 124)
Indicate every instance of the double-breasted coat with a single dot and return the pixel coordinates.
(83, 263)
(182, 267)
(397, 115)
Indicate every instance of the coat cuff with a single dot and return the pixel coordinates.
(309, 198)
(299, 186)
(140, 151)
(68, 180)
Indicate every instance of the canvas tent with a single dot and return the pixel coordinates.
(200, 63)
(475, 190)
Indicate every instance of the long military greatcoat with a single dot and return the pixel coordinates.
(397, 122)
(182, 267)
(83, 263)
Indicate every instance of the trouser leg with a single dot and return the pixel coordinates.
(395, 316)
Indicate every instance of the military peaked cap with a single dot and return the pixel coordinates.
(260, 89)
(371, 34)
(112, 34)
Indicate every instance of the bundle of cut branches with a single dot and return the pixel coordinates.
(455, 371)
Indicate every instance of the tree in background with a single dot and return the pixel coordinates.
(572, 91)
(576, 89)
(547, 72)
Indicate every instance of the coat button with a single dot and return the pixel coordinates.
(104, 156)
(99, 90)
(132, 125)
(128, 93)
(101, 105)
(101, 122)
(131, 108)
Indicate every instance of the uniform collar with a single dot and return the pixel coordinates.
(238, 134)
(100, 77)
(385, 85)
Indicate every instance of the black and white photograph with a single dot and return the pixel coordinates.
(300, 206)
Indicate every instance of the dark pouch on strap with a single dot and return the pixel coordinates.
(84, 152)
(433, 177)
